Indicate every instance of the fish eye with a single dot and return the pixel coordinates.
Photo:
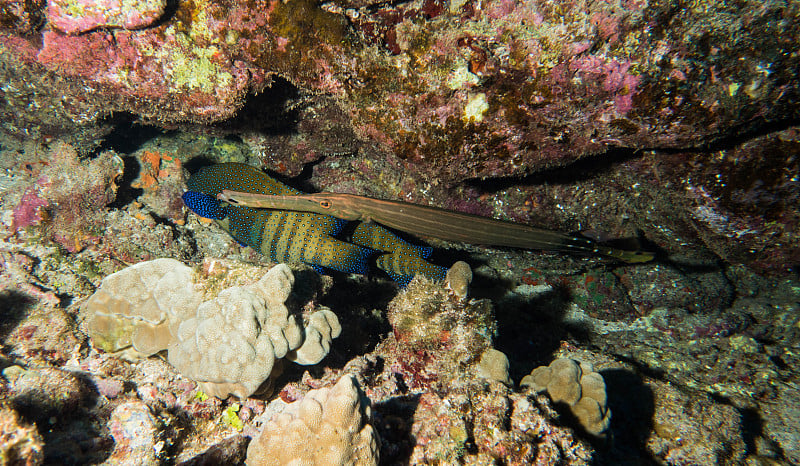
(325, 204)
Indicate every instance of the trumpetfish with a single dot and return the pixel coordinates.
(432, 221)
(294, 236)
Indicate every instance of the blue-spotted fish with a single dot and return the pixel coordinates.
(288, 236)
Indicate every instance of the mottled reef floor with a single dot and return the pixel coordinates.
(699, 357)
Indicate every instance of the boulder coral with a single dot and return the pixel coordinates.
(329, 426)
(228, 341)
(232, 343)
(131, 313)
(576, 385)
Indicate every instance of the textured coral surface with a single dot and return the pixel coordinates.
(642, 123)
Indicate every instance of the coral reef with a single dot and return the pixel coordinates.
(671, 129)
(77, 16)
(229, 343)
(711, 435)
(436, 334)
(464, 91)
(738, 201)
(329, 425)
(69, 197)
(575, 384)
(20, 443)
(440, 357)
(136, 311)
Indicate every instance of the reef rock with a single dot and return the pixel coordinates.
(136, 433)
(20, 442)
(465, 90)
(77, 16)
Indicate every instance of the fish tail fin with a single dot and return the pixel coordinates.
(587, 245)
(403, 266)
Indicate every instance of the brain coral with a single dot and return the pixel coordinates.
(131, 312)
(329, 426)
(577, 385)
(229, 344)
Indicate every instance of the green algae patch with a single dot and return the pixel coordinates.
(231, 417)
(193, 67)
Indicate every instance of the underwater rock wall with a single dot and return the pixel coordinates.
(469, 89)
(444, 94)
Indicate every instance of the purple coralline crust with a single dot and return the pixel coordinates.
(563, 85)
(76, 16)
(29, 211)
(497, 89)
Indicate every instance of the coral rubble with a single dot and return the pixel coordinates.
(20, 443)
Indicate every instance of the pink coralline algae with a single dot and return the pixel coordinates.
(29, 211)
(468, 90)
(608, 76)
(108, 56)
(76, 16)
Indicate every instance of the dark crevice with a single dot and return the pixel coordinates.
(590, 166)
(739, 135)
(274, 111)
(127, 135)
(127, 193)
(579, 170)
(170, 9)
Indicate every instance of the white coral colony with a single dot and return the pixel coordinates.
(229, 344)
(329, 426)
(579, 386)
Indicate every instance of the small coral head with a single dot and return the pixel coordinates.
(203, 205)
